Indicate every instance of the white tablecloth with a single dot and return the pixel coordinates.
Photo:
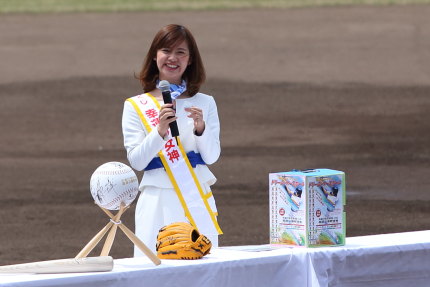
(401, 259)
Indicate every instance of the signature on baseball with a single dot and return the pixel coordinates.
(102, 190)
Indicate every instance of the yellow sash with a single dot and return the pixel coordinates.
(179, 169)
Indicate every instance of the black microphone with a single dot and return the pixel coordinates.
(167, 98)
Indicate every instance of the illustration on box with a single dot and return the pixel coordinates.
(328, 188)
(292, 188)
(288, 209)
(329, 220)
(291, 191)
(306, 210)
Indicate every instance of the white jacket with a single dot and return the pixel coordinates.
(142, 146)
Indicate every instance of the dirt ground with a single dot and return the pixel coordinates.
(345, 88)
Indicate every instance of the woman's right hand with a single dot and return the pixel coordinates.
(166, 116)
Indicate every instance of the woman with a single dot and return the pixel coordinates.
(171, 189)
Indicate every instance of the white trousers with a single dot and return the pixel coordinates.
(158, 207)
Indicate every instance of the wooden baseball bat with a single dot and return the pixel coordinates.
(70, 265)
(94, 241)
(111, 235)
(136, 240)
(140, 244)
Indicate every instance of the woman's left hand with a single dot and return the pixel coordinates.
(197, 115)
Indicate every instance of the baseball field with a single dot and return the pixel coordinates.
(321, 85)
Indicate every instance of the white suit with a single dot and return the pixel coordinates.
(158, 204)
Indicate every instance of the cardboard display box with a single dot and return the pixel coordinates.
(307, 208)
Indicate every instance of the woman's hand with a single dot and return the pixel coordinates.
(197, 115)
(166, 116)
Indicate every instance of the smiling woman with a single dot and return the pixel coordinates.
(172, 62)
(176, 182)
(173, 55)
(50, 6)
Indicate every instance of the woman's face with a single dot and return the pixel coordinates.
(172, 62)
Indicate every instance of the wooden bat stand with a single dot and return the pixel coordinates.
(113, 225)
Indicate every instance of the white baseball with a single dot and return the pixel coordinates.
(113, 183)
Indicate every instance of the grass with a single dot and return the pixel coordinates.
(55, 6)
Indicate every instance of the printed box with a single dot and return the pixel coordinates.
(307, 208)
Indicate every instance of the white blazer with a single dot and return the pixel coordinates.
(142, 146)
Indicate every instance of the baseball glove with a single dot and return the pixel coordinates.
(181, 240)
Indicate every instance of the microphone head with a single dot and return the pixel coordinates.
(164, 86)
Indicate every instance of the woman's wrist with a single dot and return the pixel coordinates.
(161, 133)
(198, 131)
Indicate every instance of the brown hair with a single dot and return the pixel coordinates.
(168, 37)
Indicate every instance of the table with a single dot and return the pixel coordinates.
(400, 259)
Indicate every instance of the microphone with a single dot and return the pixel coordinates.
(167, 98)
